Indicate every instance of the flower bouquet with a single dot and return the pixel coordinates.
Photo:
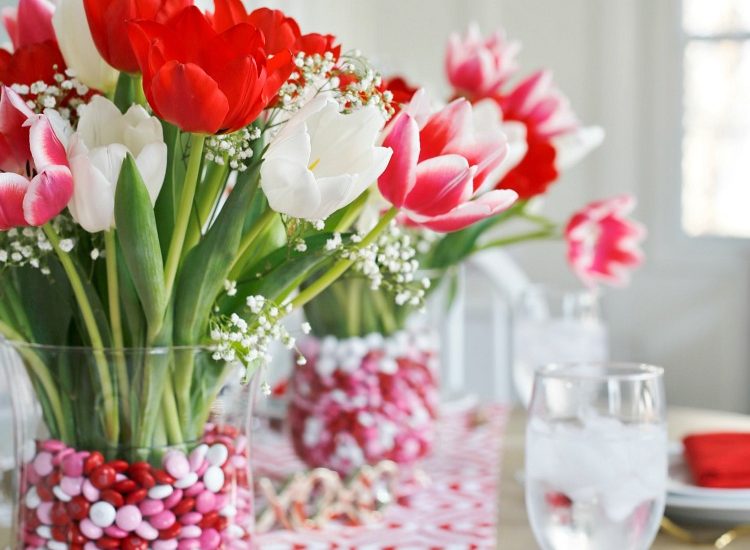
(365, 388)
(174, 182)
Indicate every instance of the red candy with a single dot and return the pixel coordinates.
(113, 497)
(108, 542)
(143, 478)
(59, 514)
(103, 477)
(93, 461)
(170, 532)
(163, 478)
(78, 508)
(136, 496)
(184, 506)
(134, 543)
(120, 466)
(125, 486)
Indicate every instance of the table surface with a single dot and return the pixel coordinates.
(513, 526)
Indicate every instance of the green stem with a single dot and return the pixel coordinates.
(385, 313)
(183, 213)
(249, 239)
(521, 237)
(206, 197)
(38, 368)
(115, 321)
(340, 267)
(111, 420)
(353, 306)
(352, 213)
(538, 220)
(171, 417)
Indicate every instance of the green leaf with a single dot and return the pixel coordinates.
(166, 203)
(139, 240)
(455, 247)
(208, 264)
(48, 301)
(134, 321)
(280, 272)
(126, 91)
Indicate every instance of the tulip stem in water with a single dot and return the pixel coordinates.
(115, 319)
(183, 212)
(111, 413)
(340, 267)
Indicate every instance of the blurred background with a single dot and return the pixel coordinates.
(669, 81)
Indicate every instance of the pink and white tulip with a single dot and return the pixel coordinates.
(436, 170)
(36, 183)
(603, 244)
(478, 67)
(29, 23)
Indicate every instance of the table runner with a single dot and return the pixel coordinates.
(456, 510)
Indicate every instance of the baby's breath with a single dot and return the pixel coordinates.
(66, 95)
(29, 246)
(234, 150)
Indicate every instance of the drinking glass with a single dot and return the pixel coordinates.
(596, 456)
(555, 325)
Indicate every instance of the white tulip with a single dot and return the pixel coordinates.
(78, 49)
(96, 151)
(323, 159)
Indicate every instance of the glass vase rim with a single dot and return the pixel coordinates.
(151, 350)
(619, 371)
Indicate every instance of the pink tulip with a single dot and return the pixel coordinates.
(603, 242)
(29, 23)
(435, 171)
(35, 182)
(478, 67)
(537, 102)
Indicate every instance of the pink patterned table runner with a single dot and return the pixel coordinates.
(457, 509)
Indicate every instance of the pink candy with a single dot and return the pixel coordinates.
(363, 400)
(205, 502)
(151, 507)
(163, 520)
(128, 518)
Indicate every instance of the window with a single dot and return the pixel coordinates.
(716, 143)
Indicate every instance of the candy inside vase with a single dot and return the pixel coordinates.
(360, 401)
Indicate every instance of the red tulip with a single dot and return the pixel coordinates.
(108, 22)
(603, 242)
(435, 171)
(402, 91)
(280, 31)
(31, 63)
(215, 82)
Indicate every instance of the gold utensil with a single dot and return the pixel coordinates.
(722, 541)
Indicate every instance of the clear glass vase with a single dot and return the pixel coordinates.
(132, 449)
(362, 400)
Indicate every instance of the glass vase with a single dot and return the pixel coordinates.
(361, 400)
(132, 449)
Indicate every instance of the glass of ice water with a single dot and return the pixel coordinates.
(596, 456)
(552, 324)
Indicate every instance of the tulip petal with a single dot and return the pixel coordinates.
(46, 148)
(186, 96)
(12, 191)
(48, 195)
(10, 22)
(400, 176)
(470, 212)
(34, 22)
(227, 13)
(444, 127)
(442, 184)
(14, 136)
(290, 188)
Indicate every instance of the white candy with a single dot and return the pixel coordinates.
(197, 456)
(60, 494)
(28, 451)
(159, 492)
(44, 531)
(217, 455)
(213, 479)
(56, 545)
(32, 499)
(187, 481)
(102, 514)
(228, 511)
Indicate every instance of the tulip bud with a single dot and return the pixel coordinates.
(78, 48)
